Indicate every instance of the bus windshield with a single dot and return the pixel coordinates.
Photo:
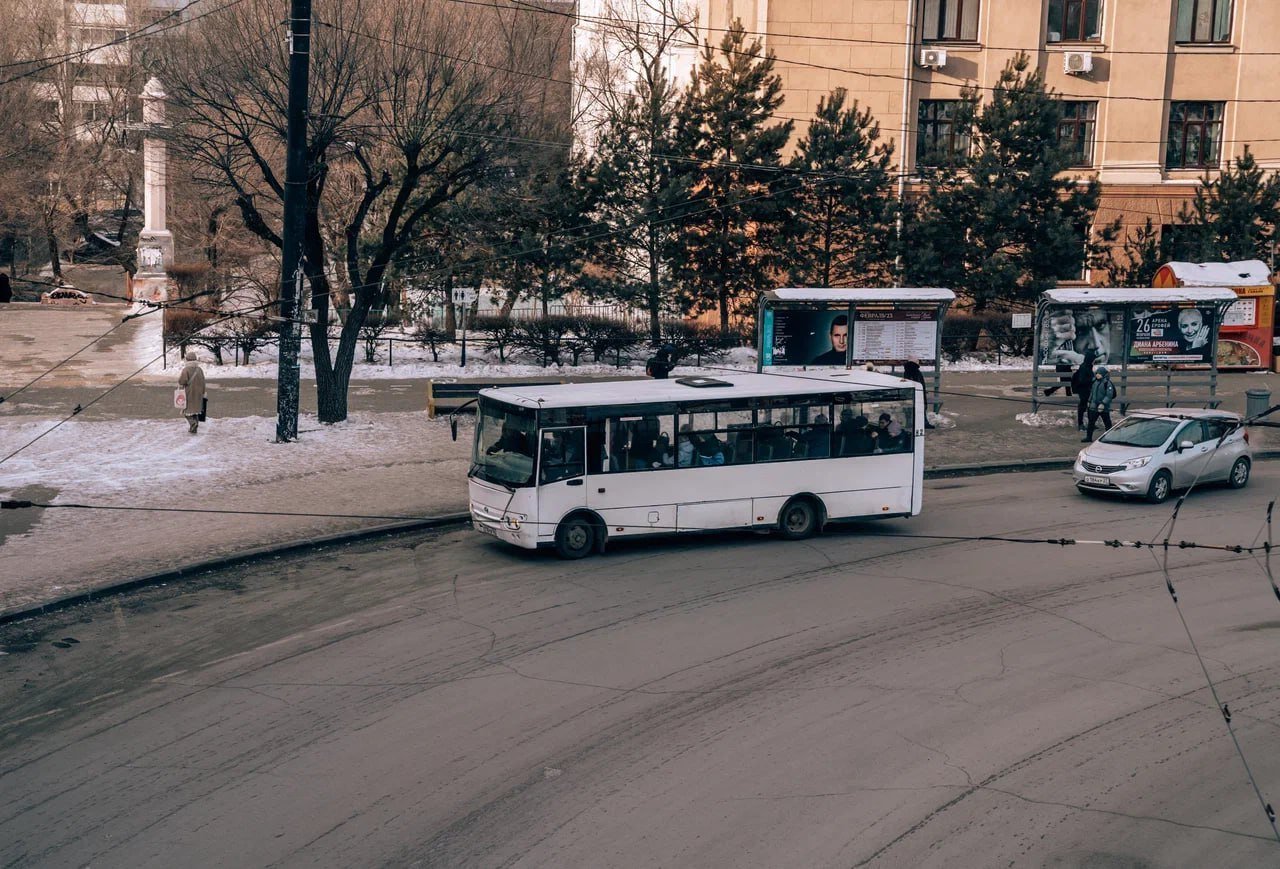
(504, 445)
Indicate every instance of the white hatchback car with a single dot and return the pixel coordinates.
(1152, 452)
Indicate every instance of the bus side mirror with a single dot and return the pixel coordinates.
(453, 427)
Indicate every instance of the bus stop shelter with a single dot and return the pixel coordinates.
(804, 328)
(1154, 341)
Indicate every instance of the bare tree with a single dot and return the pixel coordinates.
(412, 103)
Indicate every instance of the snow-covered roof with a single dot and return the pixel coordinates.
(1246, 273)
(861, 294)
(659, 391)
(1136, 295)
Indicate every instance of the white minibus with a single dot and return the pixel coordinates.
(575, 465)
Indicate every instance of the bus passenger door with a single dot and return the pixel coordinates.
(561, 471)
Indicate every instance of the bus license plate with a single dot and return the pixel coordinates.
(485, 528)
(1097, 481)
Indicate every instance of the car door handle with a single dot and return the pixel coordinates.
(574, 483)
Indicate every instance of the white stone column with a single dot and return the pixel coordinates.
(155, 242)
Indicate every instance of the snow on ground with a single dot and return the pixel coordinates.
(1048, 419)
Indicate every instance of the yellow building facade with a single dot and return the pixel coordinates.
(1157, 91)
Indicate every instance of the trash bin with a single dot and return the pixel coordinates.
(1256, 401)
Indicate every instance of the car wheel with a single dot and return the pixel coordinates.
(798, 519)
(575, 538)
(1239, 473)
(1161, 485)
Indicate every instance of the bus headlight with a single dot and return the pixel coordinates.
(1133, 464)
(512, 521)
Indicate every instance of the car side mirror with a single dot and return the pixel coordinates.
(1185, 445)
(453, 427)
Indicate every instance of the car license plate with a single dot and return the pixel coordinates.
(1097, 481)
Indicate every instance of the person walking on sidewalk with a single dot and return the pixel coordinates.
(1082, 383)
(1100, 397)
(192, 380)
(911, 371)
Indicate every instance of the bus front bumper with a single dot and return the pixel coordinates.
(509, 527)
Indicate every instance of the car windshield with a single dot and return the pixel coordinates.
(1137, 431)
(504, 445)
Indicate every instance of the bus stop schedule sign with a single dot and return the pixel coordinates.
(894, 334)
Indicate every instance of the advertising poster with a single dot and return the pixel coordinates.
(1244, 335)
(1068, 333)
(1172, 335)
(794, 336)
(894, 335)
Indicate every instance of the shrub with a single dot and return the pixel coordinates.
(499, 332)
(182, 324)
(431, 336)
(543, 337)
(602, 336)
(371, 330)
(250, 333)
(698, 340)
(965, 332)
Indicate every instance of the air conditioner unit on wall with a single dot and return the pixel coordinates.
(1077, 62)
(934, 58)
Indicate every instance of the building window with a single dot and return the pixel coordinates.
(1204, 21)
(950, 19)
(1075, 20)
(1075, 132)
(941, 136)
(1195, 135)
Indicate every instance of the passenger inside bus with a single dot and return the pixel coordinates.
(817, 438)
(890, 436)
(852, 435)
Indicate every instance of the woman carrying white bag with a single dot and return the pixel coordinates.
(189, 397)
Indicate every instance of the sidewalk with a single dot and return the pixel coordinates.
(388, 460)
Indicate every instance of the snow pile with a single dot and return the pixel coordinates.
(1048, 419)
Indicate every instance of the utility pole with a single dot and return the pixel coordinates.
(295, 217)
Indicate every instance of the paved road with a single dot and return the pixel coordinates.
(866, 698)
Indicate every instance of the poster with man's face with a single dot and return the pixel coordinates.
(807, 337)
(1172, 335)
(1068, 334)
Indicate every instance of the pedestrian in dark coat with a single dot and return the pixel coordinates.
(1082, 383)
(660, 364)
(192, 381)
(1100, 398)
(6, 291)
(911, 371)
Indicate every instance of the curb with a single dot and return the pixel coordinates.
(249, 555)
(940, 472)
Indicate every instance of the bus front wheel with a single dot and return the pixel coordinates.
(575, 538)
(798, 519)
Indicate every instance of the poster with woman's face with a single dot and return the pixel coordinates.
(1067, 334)
(1172, 335)
(807, 337)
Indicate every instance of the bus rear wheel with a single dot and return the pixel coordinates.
(798, 519)
(575, 538)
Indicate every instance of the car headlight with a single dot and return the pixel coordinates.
(1137, 463)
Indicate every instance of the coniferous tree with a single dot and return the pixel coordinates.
(1232, 217)
(638, 186)
(1004, 223)
(1140, 256)
(842, 228)
(728, 249)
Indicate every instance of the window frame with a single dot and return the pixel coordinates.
(1214, 38)
(1210, 131)
(965, 30)
(1090, 127)
(958, 144)
(1084, 33)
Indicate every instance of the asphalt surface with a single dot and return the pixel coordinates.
(864, 698)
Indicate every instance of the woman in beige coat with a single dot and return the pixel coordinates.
(192, 380)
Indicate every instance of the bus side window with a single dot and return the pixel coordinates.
(562, 457)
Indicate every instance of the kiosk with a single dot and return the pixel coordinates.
(1248, 327)
(1152, 340)
(802, 328)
